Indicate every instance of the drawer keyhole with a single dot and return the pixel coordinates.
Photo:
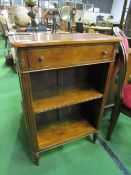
(41, 58)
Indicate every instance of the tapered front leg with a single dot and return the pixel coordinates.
(114, 117)
(95, 136)
(36, 158)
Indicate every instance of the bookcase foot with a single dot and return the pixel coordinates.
(95, 136)
(36, 158)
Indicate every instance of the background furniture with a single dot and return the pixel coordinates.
(5, 31)
(100, 29)
(79, 27)
(128, 74)
(123, 93)
(64, 80)
(113, 86)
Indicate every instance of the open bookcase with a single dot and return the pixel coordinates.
(64, 81)
(66, 102)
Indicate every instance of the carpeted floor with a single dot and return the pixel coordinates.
(80, 157)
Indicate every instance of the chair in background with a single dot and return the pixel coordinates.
(123, 93)
(5, 31)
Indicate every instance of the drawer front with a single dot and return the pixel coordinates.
(56, 57)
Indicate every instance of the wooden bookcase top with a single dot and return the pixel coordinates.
(42, 39)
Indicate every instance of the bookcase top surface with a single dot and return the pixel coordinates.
(42, 39)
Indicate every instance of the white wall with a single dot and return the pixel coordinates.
(89, 15)
(93, 16)
(117, 8)
(128, 3)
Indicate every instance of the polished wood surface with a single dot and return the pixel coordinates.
(65, 97)
(64, 81)
(128, 74)
(57, 57)
(122, 101)
(63, 132)
(38, 39)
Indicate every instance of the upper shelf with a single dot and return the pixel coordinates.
(43, 39)
(65, 97)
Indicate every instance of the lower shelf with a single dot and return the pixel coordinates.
(62, 132)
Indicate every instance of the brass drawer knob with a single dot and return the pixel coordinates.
(41, 58)
(104, 53)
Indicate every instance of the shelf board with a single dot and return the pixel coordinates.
(63, 132)
(65, 97)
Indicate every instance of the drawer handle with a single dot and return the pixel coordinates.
(41, 58)
(104, 53)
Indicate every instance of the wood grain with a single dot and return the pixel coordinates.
(128, 73)
(60, 133)
(40, 39)
(55, 57)
(65, 97)
(62, 105)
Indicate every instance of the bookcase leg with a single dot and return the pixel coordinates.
(95, 136)
(36, 158)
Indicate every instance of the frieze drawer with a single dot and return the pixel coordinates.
(57, 57)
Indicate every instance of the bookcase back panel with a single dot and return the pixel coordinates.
(87, 110)
(48, 83)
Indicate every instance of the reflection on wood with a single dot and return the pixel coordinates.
(65, 97)
(59, 133)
